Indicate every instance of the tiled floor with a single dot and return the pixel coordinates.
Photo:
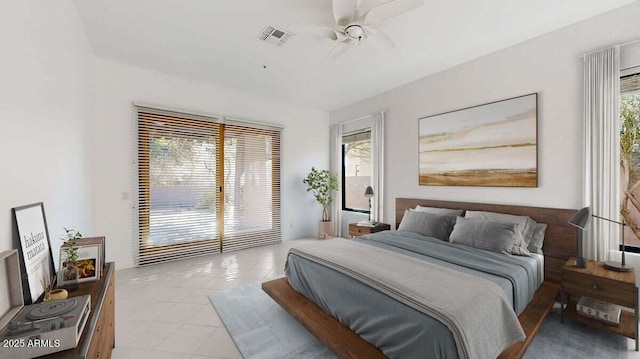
(162, 311)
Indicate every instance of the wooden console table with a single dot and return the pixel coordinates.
(99, 336)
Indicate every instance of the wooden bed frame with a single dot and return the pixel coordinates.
(560, 243)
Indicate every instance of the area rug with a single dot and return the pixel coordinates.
(262, 329)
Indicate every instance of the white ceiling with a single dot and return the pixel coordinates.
(215, 41)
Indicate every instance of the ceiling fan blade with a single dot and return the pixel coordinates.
(345, 11)
(379, 39)
(387, 10)
(339, 49)
(320, 31)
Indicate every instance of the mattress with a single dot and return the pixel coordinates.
(396, 329)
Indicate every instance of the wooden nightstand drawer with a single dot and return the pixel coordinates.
(355, 230)
(609, 290)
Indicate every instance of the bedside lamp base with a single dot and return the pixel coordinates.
(617, 266)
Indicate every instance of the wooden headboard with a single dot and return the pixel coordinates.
(560, 240)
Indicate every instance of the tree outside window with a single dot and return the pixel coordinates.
(630, 157)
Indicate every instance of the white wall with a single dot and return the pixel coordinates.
(549, 65)
(46, 110)
(304, 144)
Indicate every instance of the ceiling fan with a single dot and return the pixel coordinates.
(354, 27)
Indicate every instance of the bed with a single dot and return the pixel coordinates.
(322, 289)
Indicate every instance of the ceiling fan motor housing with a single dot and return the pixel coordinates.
(354, 31)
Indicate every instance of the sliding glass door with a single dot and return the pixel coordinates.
(204, 186)
(251, 187)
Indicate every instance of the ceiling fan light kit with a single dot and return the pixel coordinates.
(354, 31)
(355, 27)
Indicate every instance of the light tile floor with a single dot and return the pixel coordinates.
(163, 311)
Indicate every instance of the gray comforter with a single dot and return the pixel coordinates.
(465, 317)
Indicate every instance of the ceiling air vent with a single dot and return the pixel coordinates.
(274, 36)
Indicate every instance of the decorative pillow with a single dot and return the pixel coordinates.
(497, 237)
(440, 211)
(427, 224)
(538, 238)
(525, 229)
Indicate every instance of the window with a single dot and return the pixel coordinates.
(630, 152)
(356, 171)
(204, 186)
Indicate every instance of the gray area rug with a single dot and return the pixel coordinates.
(262, 329)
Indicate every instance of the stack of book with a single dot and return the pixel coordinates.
(597, 309)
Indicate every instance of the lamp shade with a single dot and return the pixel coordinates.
(582, 218)
(368, 192)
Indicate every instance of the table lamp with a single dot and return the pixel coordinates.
(369, 193)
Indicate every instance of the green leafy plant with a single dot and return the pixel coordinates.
(321, 184)
(70, 239)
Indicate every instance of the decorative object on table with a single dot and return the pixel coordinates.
(322, 183)
(56, 294)
(69, 273)
(488, 145)
(31, 237)
(581, 219)
(369, 194)
(600, 310)
(69, 276)
(47, 284)
(89, 259)
(101, 242)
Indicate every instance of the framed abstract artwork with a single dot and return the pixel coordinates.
(492, 145)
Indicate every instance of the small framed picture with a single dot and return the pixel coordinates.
(95, 240)
(90, 259)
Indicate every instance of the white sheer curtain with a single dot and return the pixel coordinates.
(602, 150)
(377, 159)
(336, 167)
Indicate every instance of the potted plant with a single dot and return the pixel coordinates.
(70, 272)
(322, 183)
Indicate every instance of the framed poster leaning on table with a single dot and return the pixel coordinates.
(31, 237)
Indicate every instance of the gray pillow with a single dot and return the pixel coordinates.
(440, 211)
(525, 229)
(497, 237)
(427, 224)
(538, 238)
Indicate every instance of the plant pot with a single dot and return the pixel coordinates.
(325, 229)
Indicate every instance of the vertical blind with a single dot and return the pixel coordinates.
(204, 186)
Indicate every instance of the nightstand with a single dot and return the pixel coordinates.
(356, 230)
(597, 282)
